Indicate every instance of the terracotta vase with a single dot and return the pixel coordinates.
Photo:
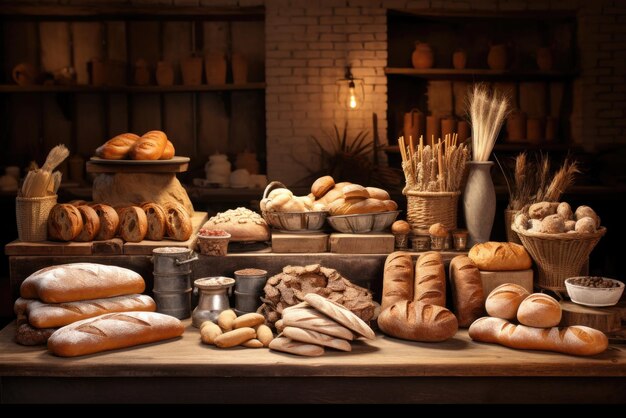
(459, 59)
(239, 66)
(534, 130)
(414, 125)
(464, 131)
(165, 73)
(24, 74)
(544, 59)
(496, 59)
(191, 69)
(422, 56)
(215, 68)
(142, 73)
(448, 127)
(516, 126)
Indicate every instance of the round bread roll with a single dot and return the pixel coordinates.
(334, 193)
(277, 202)
(355, 191)
(570, 226)
(109, 221)
(438, 230)
(565, 210)
(322, 185)
(541, 210)
(553, 224)
(540, 311)
(586, 211)
(91, 224)
(504, 301)
(400, 228)
(535, 225)
(376, 193)
(64, 222)
(390, 205)
(280, 191)
(242, 224)
(292, 205)
(133, 224)
(521, 221)
(585, 225)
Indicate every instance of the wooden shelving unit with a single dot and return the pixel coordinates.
(477, 73)
(11, 88)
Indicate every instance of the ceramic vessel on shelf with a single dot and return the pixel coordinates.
(422, 57)
(217, 169)
(165, 73)
(248, 161)
(544, 59)
(142, 72)
(459, 59)
(215, 68)
(24, 74)
(239, 66)
(496, 59)
(414, 124)
(516, 126)
(213, 293)
(479, 201)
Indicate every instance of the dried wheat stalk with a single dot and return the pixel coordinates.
(487, 114)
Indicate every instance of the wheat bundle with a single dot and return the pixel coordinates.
(42, 181)
(487, 114)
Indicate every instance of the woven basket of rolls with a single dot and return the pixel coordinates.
(286, 212)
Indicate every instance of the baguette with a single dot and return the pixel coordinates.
(91, 224)
(64, 222)
(540, 311)
(340, 314)
(417, 321)
(397, 279)
(150, 146)
(155, 215)
(317, 338)
(467, 290)
(577, 340)
(113, 331)
(287, 345)
(109, 221)
(80, 281)
(117, 148)
(308, 318)
(430, 280)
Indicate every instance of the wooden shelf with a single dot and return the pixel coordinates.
(477, 73)
(522, 146)
(12, 88)
(448, 14)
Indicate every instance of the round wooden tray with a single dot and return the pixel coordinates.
(176, 164)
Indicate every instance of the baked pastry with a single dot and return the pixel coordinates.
(287, 345)
(155, 216)
(565, 210)
(438, 230)
(316, 338)
(133, 224)
(26, 334)
(177, 222)
(109, 221)
(312, 319)
(64, 222)
(586, 212)
(398, 279)
(149, 147)
(417, 321)
(504, 300)
(242, 224)
(339, 314)
(118, 147)
(356, 206)
(390, 205)
(540, 311)
(91, 224)
(377, 193)
(321, 186)
(500, 256)
(553, 224)
(355, 192)
(585, 225)
(542, 209)
(168, 152)
(400, 228)
(467, 290)
(430, 279)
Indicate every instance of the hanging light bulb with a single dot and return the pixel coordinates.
(350, 91)
(352, 104)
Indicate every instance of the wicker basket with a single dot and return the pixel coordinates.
(32, 217)
(427, 208)
(558, 256)
(509, 217)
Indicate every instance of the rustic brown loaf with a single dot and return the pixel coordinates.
(377, 193)
(113, 331)
(287, 345)
(308, 318)
(540, 311)
(45, 315)
(356, 207)
(397, 279)
(242, 224)
(577, 340)
(177, 222)
(467, 290)
(80, 281)
(430, 279)
(417, 321)
(155, 215)
(339, 314)
(149, 147)
(64, 222)
(133, 224)
(500, 256)
(109, 221)
(504, 300)
(322, 185)
(26, 334)
(118, 147)
(168, 152)
(317, 338)
(91, 224)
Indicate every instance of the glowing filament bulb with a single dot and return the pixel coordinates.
(351, 95)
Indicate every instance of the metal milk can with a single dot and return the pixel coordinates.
(172, 280)
(214, 292)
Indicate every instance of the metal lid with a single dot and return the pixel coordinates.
(213, 282)
(170, 250)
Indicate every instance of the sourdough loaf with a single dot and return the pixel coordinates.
(91, 224)
(242, 224)
(500, 256)
(417, 321)
(133, 224)
(155, 216)
(540, 311)
(64, 222)
(504, 300)
(109, 221)
(177, 222)
(398, 279)
(430, 279)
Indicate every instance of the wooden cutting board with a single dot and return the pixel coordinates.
(372, 243)
(299, 243)
(603, 319)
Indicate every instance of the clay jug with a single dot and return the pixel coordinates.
(544, 59)
(192, 71)
(239, 66)
(516, 126)
(422, 56)
(414, 125)
(459, 59)
(24, 74)
(165, 73)
(142, 73)
(496, 60)
(248, 161)
(215, 68)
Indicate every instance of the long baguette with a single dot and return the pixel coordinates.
(308, 318)
(430, 280)
(577, 340)
(317, 338)
(287, 345)
(340, 314)
(397, 279)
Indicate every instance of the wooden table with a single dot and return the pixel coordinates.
(383, 370)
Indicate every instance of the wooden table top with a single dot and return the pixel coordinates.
(383, 357)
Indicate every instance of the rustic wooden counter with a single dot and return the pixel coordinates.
(383, 370)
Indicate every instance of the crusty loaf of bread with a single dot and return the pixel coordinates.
(133, 224)
(397, 279)
(309, 318)
(417, 321)
(64, 222)
(430, 279)
(117, 148)
(467, 290)
(155, 214)
(26, 334)
(113, 331)
(577, 340)
(91, 224)
(504, 300)
(500, 256)
(55, 315)
(168, 152)
(149, 147)
(80, 281)
(339, 314)
(287, 345)
(317, 338)
(177, 222)
(242, 224)
(109, 221)
(540, 311)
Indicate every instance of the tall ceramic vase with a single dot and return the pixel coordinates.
(479, 201)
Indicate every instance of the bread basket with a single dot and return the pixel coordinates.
(558, 256)
(362, 223)
(292, 221)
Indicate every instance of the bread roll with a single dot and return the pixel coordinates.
(540, 311)
(355, 191)
(149, 147)
(287, 345)
(542, 209)
(504, 300)
(234, 338)
(390, 205)
(553, 224)
(397, 279)
(570, 226)
(321, 186)
(400, 227)
(430, 279)
(113, 331)
(133, 224)
(118, 147)
(417, 321)
(565, 211)
(586, 212)
(177, 222)
(64, 222)
(109, 221)
(155, 216)
(467, 290)
(91, 224)
(80, 281)
(577, 340)
(168, 152)
(500, 256)
(376, 193)
(438, 230)
(585, 225)
(242, 224)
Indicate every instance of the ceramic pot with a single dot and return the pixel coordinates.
(534, 130)
(239, 66)
(459, 59)
(215, 68)
(165, 73)
(544, 59)
(422, 56)
(192, 71)
(414, 124)
(479, 201)
(496, 59)
(516, 126)
(24, 74)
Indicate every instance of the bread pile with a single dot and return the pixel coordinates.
(152, 145)
(98, 308)
(538, 316)
(82, 222)
(306, 328)
(242, 224)
(292, 285)
(557, 218)
(248, 330)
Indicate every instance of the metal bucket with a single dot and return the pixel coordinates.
(171, 282)
(250, 281)
(173, 260)
(176, 304)
(247, 302)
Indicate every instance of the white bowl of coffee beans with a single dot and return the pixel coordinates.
(594, 291)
